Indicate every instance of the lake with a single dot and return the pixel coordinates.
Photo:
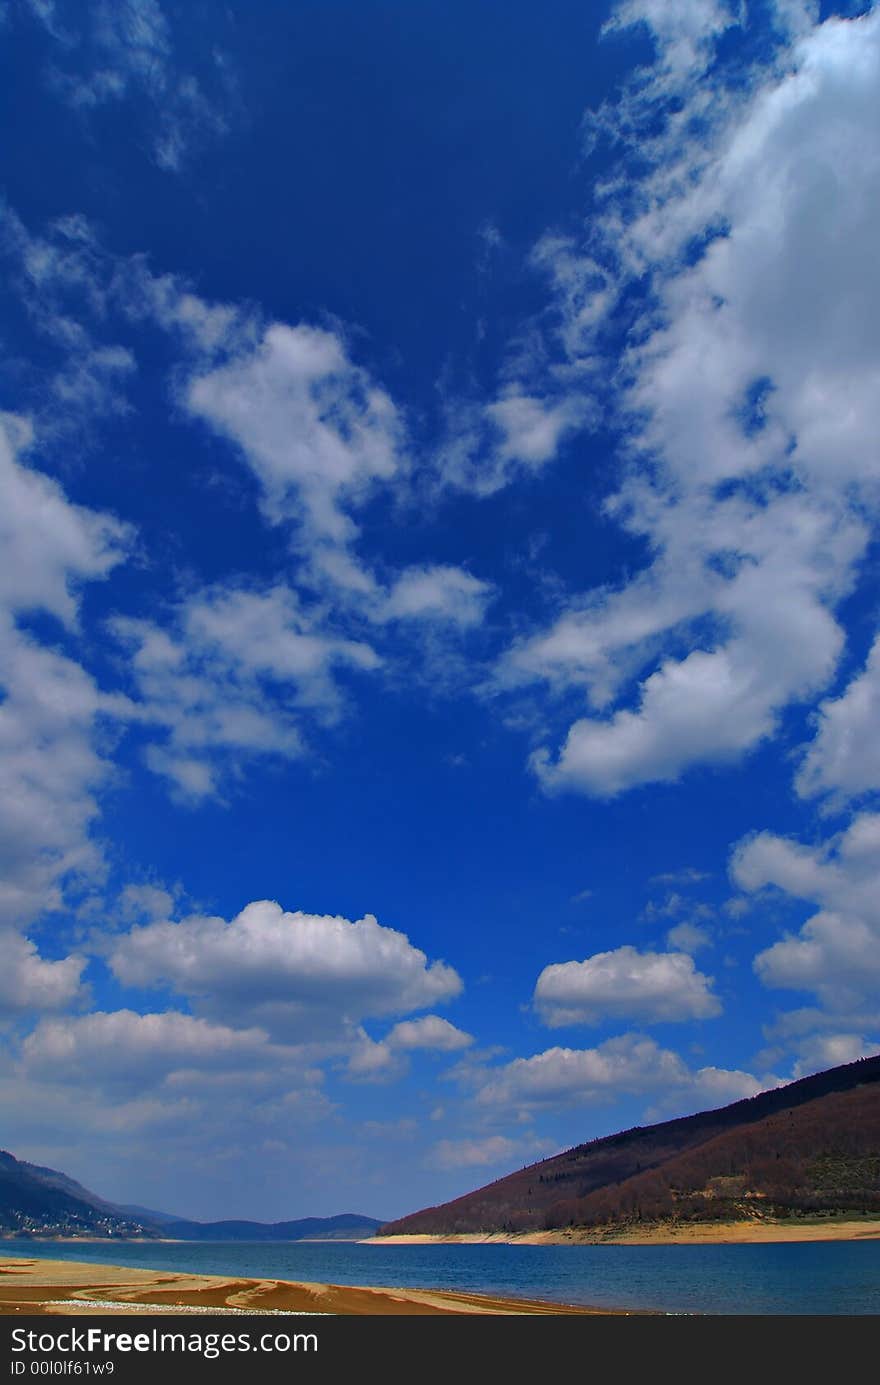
(838, 1277)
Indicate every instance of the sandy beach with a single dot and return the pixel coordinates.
(77, 1287)
(669, 1234)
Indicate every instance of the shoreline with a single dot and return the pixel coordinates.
(77, 1287)
(752, 1232)
(667, 1234)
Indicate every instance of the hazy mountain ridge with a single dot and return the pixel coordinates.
(346, 1226)
(811, 1146)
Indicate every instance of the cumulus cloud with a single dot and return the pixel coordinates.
(749, 401)
(821, 1051)
(50, 771)
(294, 974)
(707, 1089)
(430, 1032)
(31, 983)
(379, 1061)
(630, 1065)
(835, 955)
(844, 757)
(138, 1051)
(388, 1058)
(50, 762)
(714, 704)
(646, 987)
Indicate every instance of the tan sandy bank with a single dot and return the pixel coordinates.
(67, 1286)
(666, 1234)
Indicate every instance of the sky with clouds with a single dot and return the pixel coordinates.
(438, 616)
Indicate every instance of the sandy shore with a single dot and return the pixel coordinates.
(670, 1234)
(75, 1287)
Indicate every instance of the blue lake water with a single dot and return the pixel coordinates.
(841, 1277)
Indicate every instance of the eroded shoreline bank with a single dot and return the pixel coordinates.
(667, 1234)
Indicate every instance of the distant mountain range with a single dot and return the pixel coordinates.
(347, 1226)
(35, 1201)
(810, 1147)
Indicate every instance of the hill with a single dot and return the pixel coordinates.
(43, 1202)
(812, 1146)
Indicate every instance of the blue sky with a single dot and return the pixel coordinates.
(438, 619)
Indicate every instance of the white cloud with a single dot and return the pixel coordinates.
(684, 32)
(562, 1076)
(750, 398)
(484, 1151)
(292, 973)
(371, 1061)
(138, 903)
(50, 764)
(712, 705)
(50, 546)
(127, 49)
(820, 1051)
(836, 954)
(269, 633)
(688, 937)
(520, 432)
(138, 1051)
(62, 279)
(212, 685)
(817, 1039)
(718, 1086)
(50, 770)
(92, 1094)
(531, 429)
(438, 592)
(844, 758)
(312, 426)
(430, 1032)
(29, 982)
(380, 1061)
(321, 437)
(88, 387)
(794, 18)
(630, 1065)
(707, 1089)
(646, 987)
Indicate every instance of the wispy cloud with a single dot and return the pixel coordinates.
(114, 50)
(746, 482)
